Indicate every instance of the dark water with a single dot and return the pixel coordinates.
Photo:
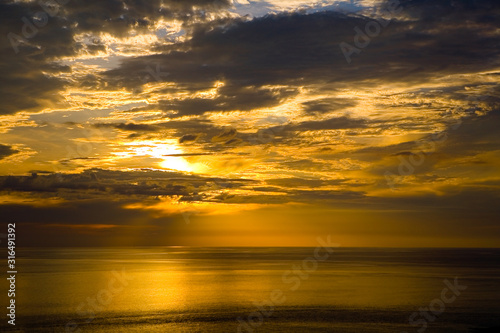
(167, 289)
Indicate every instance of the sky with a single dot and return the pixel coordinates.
(251, 123)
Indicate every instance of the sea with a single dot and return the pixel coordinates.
(254, 289)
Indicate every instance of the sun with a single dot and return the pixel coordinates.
(176, 163)
(169, 153)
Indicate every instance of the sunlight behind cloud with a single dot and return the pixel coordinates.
(157, 150)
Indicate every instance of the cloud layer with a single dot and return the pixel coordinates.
(165, 108)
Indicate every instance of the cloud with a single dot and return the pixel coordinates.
(269, 103)
(326, 105)
(299, 49)
(36, 37)
(120, 17)
(99, 183)
(328, 124)
(225, 136)
(132, 127)
(228, 98)
(187, 131)
(188, 138)
(301, 182)
(6, 151)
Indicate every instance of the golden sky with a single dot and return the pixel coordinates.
(242, 123)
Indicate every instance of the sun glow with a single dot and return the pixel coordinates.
(169, 153)
(176, 163)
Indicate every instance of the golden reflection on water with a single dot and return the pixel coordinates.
(161, 289)
(184, 284)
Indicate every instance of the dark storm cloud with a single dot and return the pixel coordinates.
(379, 152)
(269, 50)
(328, 124)
(318, 196)
(427, 11)
(6, 151)
(119, 16)
(480, 96)
(24, 85)
(474, 135)
(230, 98)
(89, 182)
(216, 138)
(198, 106)
(286, 133)
(33, 36)
(300, 49)
(132, 127)
(102, 183)
(281, 133)
(326, 105)
(188, 138)
(294, 49)
(301, 182)
(187, 131)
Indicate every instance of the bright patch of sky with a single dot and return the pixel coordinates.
(261, 8)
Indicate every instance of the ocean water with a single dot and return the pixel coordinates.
(186, 289)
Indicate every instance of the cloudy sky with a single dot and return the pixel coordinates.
(251, 123)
